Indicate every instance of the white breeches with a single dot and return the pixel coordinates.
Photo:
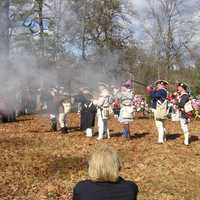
(62, 120)
(102, 127)
(161, 130)
(184, 127)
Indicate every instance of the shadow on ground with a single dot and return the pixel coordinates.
(193, 138)
(173, 136)
(133, 135)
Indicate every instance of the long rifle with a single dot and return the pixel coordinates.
(139, 83)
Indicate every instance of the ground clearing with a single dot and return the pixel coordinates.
(38, 164)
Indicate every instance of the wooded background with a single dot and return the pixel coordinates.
(77, 33)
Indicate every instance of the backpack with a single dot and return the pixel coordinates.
(66, 106)
(106, 108)
(188, 107)
(161, 111)
(175, 116)
(126, 112)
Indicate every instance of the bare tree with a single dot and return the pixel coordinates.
(39, 9)
(85, 3)
(169, 32)
(103, 24)
(4, 30)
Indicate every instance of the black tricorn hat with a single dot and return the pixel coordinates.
(183, 85)
(162, 82)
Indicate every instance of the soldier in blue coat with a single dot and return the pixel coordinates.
(159, 97)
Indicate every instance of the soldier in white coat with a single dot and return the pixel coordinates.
(126, 107)
(103, 103)
(64, 107)
(52, 108)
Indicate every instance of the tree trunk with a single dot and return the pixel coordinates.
(84, 30)
(4, 28)
(40, 13)
(57, 35)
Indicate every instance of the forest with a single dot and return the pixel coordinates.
(115, 38)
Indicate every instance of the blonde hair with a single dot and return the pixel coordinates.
(104, 164)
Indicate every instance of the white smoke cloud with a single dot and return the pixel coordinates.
(21, 69)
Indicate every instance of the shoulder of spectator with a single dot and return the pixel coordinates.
(133, 185)
(130, 184)
(81, 184)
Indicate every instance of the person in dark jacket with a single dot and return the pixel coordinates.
(183, 98)
(88, 113)
(159, 95)
(105, 182)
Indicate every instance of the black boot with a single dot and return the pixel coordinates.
(53, 125)
(64, 130)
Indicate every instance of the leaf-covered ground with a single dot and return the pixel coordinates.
(37, 164)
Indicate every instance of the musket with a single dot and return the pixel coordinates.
(139, 83)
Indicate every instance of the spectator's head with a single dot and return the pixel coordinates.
(104, 165)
